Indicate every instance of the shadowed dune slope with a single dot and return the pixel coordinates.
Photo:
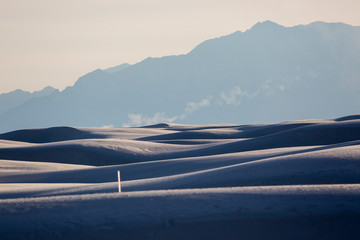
(96, 152)
(226, 133)
(54, 134)
(338, 164)
(158, 145)
(309, 135)
(346, 118)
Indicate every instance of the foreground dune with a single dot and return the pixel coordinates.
(291, 180)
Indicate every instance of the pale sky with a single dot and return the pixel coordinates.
(52, 42)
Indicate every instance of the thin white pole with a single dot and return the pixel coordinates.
(119, 181)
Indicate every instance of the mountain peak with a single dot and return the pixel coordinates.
(45, 91)
(266, 25)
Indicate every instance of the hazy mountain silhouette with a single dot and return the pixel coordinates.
(18, 97)
(268, 73)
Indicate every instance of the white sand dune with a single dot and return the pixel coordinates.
(21, 167)
(295, 212)
(183, 181)
(93, 151)
(56, 134)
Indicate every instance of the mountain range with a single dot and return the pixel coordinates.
(268, 73)
(16, 98)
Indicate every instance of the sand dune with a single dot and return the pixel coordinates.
(296, 212)
(179, 179)
(110, 151)
(56, 134)
(96, 152)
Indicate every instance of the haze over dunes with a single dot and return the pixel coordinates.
(214, 181)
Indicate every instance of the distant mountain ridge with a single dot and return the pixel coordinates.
(117, 68)
(18, 97)
(268, 73)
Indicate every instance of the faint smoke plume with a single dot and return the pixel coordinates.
(139, 119)
(194, 106)
(234, 96)
(136, 120)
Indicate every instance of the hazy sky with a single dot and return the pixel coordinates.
(52, 42)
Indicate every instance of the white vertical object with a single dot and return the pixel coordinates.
(119, 181)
